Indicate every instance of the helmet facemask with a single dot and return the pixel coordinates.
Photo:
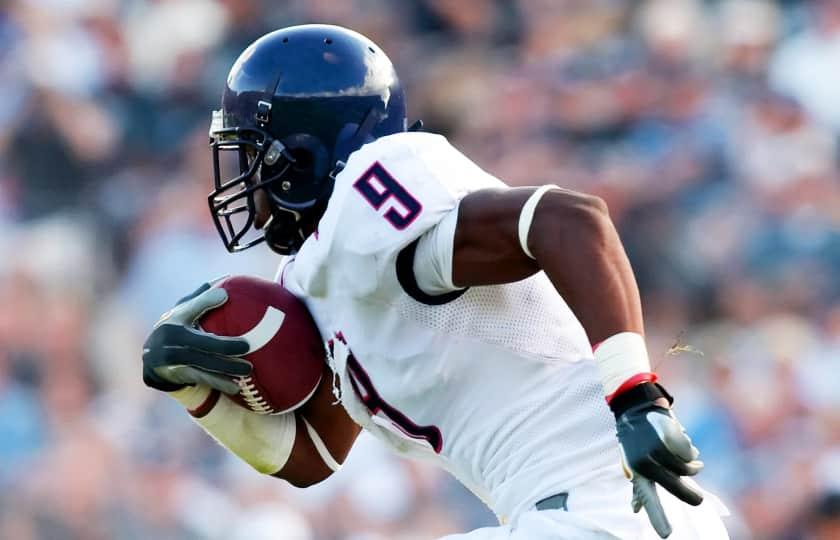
(296, 173)
(258, 162)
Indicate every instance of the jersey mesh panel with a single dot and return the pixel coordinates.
(525, 316)
(536, 434)
(531, 428)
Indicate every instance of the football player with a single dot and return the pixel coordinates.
(495, 331)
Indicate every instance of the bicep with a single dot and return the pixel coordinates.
(486, 247)
(574, 242)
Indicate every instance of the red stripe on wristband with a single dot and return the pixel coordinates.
(209, 402)
(635, 380)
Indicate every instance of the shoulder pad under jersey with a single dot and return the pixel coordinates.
(390, 192)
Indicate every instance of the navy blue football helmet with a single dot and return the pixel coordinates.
(297, 102)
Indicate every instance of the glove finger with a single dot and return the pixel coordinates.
(679, 443)
(672, 483)
(213, 344)
(208, 361)
(153, 380)
(675, 464)
(216, 281)
(189, 312)
(225, 365)
(636, 503)
(219, 382)
(214, 380)
(201, 289)
(182, 337)
(673, 435)
(190, 375)
(645, 491)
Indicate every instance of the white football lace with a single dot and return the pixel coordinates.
(252, 396)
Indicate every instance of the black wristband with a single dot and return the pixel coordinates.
(645, 392)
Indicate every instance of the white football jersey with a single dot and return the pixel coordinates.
(496, 384)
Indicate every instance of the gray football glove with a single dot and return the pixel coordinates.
(177, 353)
(655, 450)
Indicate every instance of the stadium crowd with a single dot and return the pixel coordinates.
(711, 128)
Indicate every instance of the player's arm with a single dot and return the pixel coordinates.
(303, 447)
(506, 235)
(330, 434)
(571, 238)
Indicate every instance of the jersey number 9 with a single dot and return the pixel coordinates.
(378, 187)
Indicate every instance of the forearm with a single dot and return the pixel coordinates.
(304, 446)
(507, 235)
(597, 284)
(575, 242)
(262, 441)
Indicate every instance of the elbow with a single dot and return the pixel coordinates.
(586, 209)
(596, 206)
(574, 218)
(302, 480)
(595, 219)
(301, 483)
(308, 482)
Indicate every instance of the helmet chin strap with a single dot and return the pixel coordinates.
(267, 224)
(281, 221)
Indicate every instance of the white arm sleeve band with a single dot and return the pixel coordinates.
(526, 216)
(262, 441)
(433, 258)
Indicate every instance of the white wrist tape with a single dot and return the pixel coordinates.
(322, 449)
(619, 358)
(191, 397)
(262, 441)
(526, 216)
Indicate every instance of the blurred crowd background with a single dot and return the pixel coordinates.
(711, 128)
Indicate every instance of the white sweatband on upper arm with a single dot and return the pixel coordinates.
(433, 259)
(620, 358)
(322, 449)
(263, 441)
(526, 216)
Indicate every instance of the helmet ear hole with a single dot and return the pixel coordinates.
(311, 157)
(300, 183)
(304, 160)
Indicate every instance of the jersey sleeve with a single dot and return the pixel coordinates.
(432, 264)
(390, 193)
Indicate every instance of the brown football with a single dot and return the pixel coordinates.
(287, 352)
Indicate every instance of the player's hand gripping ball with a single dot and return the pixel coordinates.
(285, 348)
